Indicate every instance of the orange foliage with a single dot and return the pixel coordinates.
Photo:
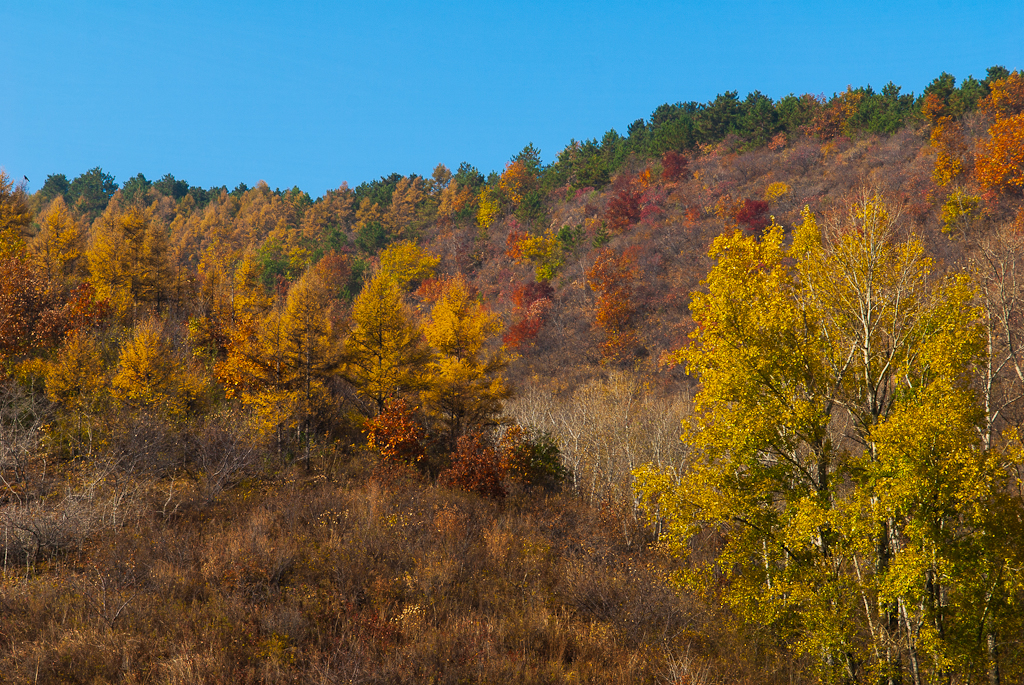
(1005, 98)
(1000, 164)
(833, 119)
(396, 433)
(532, 302)
(516, 181)
(611, 277)
(475, 467)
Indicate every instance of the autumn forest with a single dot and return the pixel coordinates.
(733, 397)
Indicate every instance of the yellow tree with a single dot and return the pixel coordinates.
(128, 257)
(837, 447)
(408, 195)
(76, 379)
(465, 384)
(15, 215)
(385, 351)
(311, 350)
(59, 246)
(407, 263)
(151, 377)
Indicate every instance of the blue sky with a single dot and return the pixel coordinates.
(313, 94)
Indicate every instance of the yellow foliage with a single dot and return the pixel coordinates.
(958, 209)
(385, 349)
(59, 245)
(454, 199)
(128, 257)
(150, 375)
(407, 196)
(489, 209)
(76, 374)
(836, 444)
(543, 251)
(465, 386)
(776, 190)
(406, 263)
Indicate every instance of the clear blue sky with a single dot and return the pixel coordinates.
(313, 94)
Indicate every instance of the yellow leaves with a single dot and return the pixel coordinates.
(407, 263)
(958, 210)
(776, 190)
(459, 325)
(465, 385)
(835, 433)
(543, 251)
(385, 346)
(951, 149)
(455, 199)
(408, 194)
(489, 208)
(127, 257)
(59, 244)
(76, 373)
(15, 216)
(150, 375)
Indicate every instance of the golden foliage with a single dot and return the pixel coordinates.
(776, 190)
(385, 348)
(1000, 163)
(407, 264)
(60, 244)
(465, 385)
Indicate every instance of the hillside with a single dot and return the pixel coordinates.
(391, 434)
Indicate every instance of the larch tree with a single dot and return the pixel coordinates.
(385, 349)
(128, 257)
(60, 244)
(465, 386)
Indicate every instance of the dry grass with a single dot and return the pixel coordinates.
(305, 580)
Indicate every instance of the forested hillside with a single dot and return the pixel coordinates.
(428, 429)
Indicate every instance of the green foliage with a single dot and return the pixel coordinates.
(135, 189)
(90, 192)
(531, 457)
(372, 237)
(55, 185)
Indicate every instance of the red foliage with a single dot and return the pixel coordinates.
(673, 165)
(753, 214)
(396, 433)
(532, 302)
(624, 207)
(475, 467)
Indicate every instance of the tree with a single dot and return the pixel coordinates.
(465, 386)
(385, 350)
(407, 264)
(611, 278)
(1000, 163)
(90, 192)
(60, 244)
(311, 348)
(128, 257)
(151, 377)
(837, 448)
(76, 379)
(15, 215)
(405, 199)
